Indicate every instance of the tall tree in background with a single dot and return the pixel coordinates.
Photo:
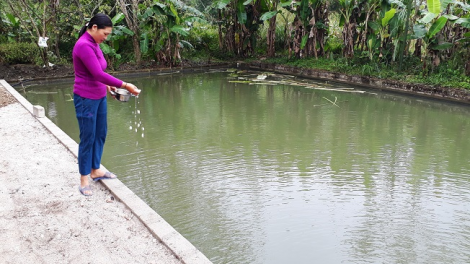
(271, 15)
(34, 17)
(174, 20)
(130, 9)
(347, 21)
(240, 21)
(319, 27)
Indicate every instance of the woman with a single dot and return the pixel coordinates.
(90, 88)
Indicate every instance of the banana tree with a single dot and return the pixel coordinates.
(403, 47)
(240, 20)
(369, 7)
(249, 13)
(430, 43)
(382, 28)
(226, 23)
(293, 32)
(271, 15)
(11, 27)
(345, 10)
(176, 20)
(319, 26)
(464, 41)
(427, 29)
(310, 26)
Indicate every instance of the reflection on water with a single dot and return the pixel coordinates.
(283, 170)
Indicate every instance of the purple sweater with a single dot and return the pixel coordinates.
(90, 65)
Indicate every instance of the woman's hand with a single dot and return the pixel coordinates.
(111, 88)
(131, 88)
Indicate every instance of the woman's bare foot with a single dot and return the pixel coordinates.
(97, 173)
(84, 186)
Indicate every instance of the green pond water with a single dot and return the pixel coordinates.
(286, 170)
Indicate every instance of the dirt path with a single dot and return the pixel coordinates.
(44, 218)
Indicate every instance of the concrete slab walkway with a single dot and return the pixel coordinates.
(44, 218)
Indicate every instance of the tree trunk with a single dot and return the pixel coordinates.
(298, 30)
(312, 47)
(348, 40)
(40, 32)
(230, 34)
(364, 32)
(133, 24)
(418, 45)
(272, 37)
(221, 45)
(467, 68)
(321, 14)
(137, 53)
(55, 18)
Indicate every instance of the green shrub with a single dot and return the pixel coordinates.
(203, 38)
(333, 45)
(19, 53)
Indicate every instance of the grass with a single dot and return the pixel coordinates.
(443, 75)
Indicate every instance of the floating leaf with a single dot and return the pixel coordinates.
(240, 82)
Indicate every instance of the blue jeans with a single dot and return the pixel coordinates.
(93, 125)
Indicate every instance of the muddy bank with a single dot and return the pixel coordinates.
(25, 72)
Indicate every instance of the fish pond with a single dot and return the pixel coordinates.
(256, 167)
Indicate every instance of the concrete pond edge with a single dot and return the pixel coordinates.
(158, 227)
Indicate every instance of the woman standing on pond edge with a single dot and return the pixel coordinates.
(90, 88)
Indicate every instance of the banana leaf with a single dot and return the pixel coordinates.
(419, 31)
(427, 18)
(185, 44)
(180, 30)
(443, 46)
(434, 6)
(144, 43)
(304, 41)
(268, 15)
(437, 26)
(388, 15)
(117, 18)
(221, 4)
(464, 22)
